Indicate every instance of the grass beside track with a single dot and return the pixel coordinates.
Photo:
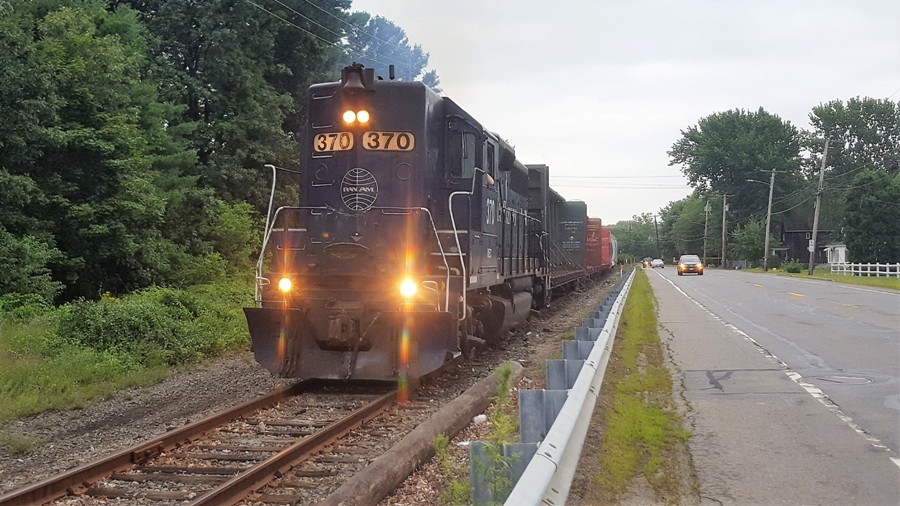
(643, 429)
(65, 358)
(883, 282)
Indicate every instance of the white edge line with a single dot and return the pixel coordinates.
(797, 378)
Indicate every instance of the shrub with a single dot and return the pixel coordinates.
(143, 331)
(792, 267)
(22, 307)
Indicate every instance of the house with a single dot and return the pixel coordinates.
(795, 235)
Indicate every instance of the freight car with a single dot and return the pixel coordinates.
(419, 236)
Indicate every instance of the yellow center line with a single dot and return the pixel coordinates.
(797, 294)
(757, 284)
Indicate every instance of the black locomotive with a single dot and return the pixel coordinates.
(419, 236)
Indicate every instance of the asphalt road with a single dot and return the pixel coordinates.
(792, 385)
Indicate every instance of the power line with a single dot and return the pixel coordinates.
(623, 186)
(354, 27)
(323, 39)
(614, 177)
(340, 35)
(260, 7)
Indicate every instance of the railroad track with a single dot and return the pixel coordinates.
(226, 457)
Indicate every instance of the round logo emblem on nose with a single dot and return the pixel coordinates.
(359, 189)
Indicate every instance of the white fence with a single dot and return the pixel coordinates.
(873, 270)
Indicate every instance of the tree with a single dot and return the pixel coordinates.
(684, 224)
(863, 133)
(726, 149)
(214, 58)
(748, 241)
(378, 43)
(872, 218)
(25, 268)
(636, 237)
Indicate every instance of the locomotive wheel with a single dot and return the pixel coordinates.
(469, 344)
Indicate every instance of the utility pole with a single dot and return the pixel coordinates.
(768, 223)
(658, 252)
(815, 230)
(724, 214)
(705, 229)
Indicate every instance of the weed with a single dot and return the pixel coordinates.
(18, 444)
(642, 426)
(458, 490)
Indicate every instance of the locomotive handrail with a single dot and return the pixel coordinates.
(256, 294)
(331, 210)
(462, 265)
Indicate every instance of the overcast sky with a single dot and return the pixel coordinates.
(600, 90)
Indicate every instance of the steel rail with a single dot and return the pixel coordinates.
(76, 478)
(239, 487)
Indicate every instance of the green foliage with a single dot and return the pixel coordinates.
(459, 490)
(682, 225)
(39, 371)
(792, 267)
(65, 358)
(642, 425)
(135, 132)
(222, 64)
(377, 43)
(504, 427)
(863, 132)
(25, 268)
(636, 237)
(726, 149)
(23, 307)
(157, 326)
(748, 241)
(872, 219)
(18, 444)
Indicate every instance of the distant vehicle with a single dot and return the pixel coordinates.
(657, 262)
(690, 263)
(646, 262)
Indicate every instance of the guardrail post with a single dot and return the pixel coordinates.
(552, 422)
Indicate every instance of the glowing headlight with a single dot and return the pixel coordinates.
(408, 288)
(285, 285)
(362, 116)
(349, 117)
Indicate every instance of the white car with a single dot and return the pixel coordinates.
(657, 263)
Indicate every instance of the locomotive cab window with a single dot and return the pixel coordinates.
(489, 166)
(463, 151)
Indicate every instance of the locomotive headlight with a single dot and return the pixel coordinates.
(285, 285)
(408, 288)
(350, 117)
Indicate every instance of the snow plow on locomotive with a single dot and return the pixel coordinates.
(418, 237)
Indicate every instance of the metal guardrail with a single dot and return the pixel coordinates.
(553, 422)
